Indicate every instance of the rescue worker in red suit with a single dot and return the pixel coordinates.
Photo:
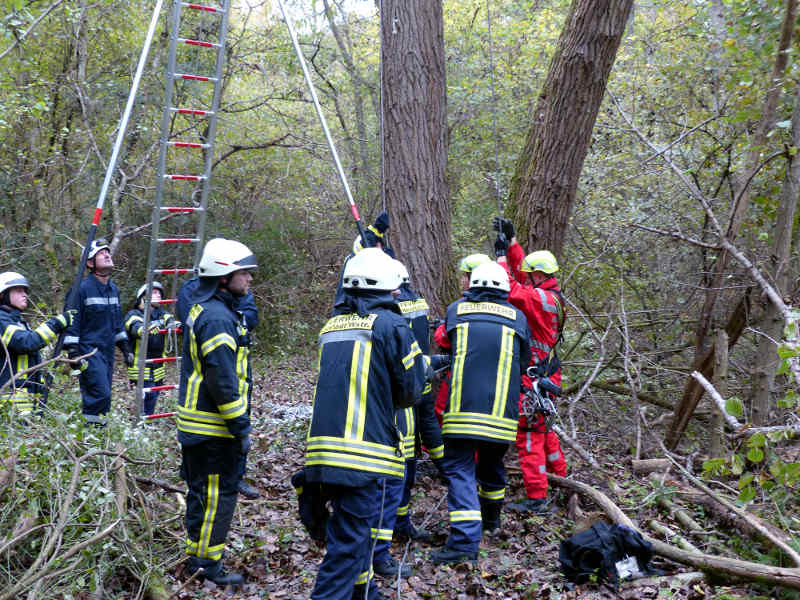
(535, 291)
(465, 266)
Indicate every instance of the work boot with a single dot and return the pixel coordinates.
(389, 568)
(247, 490)
(214, 571)
(448, 556)
(412, 533)
(490, 516)
(535, 506)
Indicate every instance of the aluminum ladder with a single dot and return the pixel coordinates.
(188, 131)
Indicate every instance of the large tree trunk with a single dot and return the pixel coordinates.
(546, 177)
(766, 359)
(415, 141)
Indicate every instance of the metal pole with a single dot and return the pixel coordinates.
(312, 90)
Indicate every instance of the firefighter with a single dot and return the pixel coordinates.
(156, 347)
(422, 419)
(370, 365)
(97, 325)
(539, 297)
(465, 267)
(23, 344)
(490, 345)
(247, 306)
(213, 412)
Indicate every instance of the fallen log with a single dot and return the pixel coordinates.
(650, 465)
(714, 565)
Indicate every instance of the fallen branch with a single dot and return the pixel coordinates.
(584, 454)
(681, 541)
(162, 484)
(787, 577)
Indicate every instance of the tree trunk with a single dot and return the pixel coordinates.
(721, 385)
(766, 359)
(546, 175)
(416, 142)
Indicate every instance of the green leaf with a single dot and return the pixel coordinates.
(757, 440)
(737, 464)
(747, 494)
(789, 400)
(734, 407)
(745, 480)
(755, 455)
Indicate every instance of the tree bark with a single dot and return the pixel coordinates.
(721, 384)
(766, 358)
(416, 143)
(546, 176)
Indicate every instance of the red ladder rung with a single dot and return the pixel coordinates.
(194, 77)
(193, 111)
(172, 271)
(182, 209)
(194, 145)
(178, 241)
(165, 300)
(175, 329)
(198, 43)
(214, 9)
(166, 359)
(185, 177)
(159, 388)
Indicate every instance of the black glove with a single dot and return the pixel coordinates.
(244, 445)
(504, 226)
(129, 359)
(429, 373)
(382, 222)
(77, 366)
(500, 245)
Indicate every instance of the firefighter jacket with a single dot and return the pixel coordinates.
(216, 379)
(415, 310)
(490, 352)
(156, 347)
(369, 366)
(23, 345)
(542, 305)
(98, 322)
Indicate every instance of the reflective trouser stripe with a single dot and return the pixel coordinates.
(554, 456)
(381, 534)
(402, 511)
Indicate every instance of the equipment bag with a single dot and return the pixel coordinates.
(611, 553)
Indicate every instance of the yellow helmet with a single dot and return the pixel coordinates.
(468, 263)
(541, 260)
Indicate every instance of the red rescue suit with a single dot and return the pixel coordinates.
(539, 450)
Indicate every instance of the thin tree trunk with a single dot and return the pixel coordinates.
(721, 384)
(546, 176)
(416, 143)
(766, 359)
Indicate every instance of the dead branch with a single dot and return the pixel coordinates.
(670, 535)
(584, 454)
(158, 483)
(787, 577)
(649, 465)
(718, 400)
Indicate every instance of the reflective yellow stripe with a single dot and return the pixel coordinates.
(503, 371)
(402, 511)
(381, 534)
(462, 333)
(481, 425)
(47, 334)
(408, 359)
(212, 500)
(364, 577)
(221, 339)
(465, 515)
(357, 394)
(9, 332)
(437, 452)
(491, 494)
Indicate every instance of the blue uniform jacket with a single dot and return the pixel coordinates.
(23, 345)
(491, 349)
(98, 322)
(369, 366)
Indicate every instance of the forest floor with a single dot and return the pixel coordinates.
(268, 544)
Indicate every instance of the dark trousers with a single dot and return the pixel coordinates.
(464, 473)
(346, 567)
(384, 529)
(211, 471)
(403, 523)
(150, 398)
(95, 383)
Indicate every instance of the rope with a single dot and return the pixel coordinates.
(381, 121)
(494, 112)
(375, 540)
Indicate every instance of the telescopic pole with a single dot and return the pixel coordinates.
(301, 58)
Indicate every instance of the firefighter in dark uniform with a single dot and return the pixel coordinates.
(246, 305)
(490, 352)
(415, 310)
(23, 344)
(97, 325)
(213, 411)
(369, 366)
(156, 346)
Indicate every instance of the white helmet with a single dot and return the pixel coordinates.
(223, 257)
(490, 275)
(12, 279)
(371, 269)
(143, 289)
(96, 246)
(402, 271)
